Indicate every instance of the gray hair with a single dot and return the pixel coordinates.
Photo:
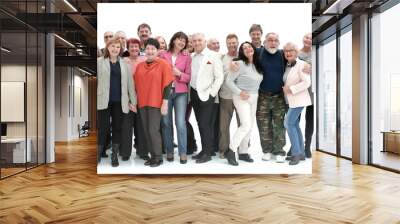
(271, 33)
(120, 33)
(199, 34)
(291, 45)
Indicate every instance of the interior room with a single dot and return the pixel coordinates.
(48, 104)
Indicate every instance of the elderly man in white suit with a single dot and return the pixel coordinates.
(207, 78)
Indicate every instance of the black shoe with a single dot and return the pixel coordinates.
(114, 155)
(288, 158)
(145, 157)
(183, 161)
(245, 157)
(148, 162)
(190, 152)
(295, 160)
(100, 150)
(104, 154)
(170, 159)
(156, 162)
(198, 155)
(203, 159)
(230, 156)
(307, 152)
(125, 158)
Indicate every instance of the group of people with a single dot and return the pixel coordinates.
(141, 82)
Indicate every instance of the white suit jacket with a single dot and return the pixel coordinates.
(210, 75)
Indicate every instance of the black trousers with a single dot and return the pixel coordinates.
(135, 128)
(150, 118)
(127, 132)
(142, 149)
(114, 111)
(215, 121)
(203, 111)
(191, 140)
(309, 126)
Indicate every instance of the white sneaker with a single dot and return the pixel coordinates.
(267, 156)
(280, 159)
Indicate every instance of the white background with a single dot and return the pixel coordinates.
(290, 21)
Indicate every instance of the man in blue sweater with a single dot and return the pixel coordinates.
(271, 107)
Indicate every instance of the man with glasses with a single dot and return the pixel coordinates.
(107, 36)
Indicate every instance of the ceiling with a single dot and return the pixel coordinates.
(77, 22)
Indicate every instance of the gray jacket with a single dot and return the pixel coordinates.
(128, 93)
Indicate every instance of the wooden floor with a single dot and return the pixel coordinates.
(70, 191)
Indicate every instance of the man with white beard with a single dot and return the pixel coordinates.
(271, 106)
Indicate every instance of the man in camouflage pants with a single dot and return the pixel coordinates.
(271, 106)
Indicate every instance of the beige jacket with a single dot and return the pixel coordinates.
(128, 93)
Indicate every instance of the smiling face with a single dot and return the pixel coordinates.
(179, 43)
(232, 44)
(151, 52)
(213, 45)
(134, 49)
(199, 43)
(256, 37)
(114, 49)
(248, 51)
(190, 44)
(307, 40)
(290, 51)
(163, 45)
(271, 43)
(144, 33)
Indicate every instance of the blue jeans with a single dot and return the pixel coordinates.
(292, 125)
(178, 101)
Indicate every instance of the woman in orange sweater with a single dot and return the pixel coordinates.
(153, 79)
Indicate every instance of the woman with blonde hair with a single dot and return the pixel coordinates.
(115, 96)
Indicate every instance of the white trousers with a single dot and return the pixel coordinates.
(246, 109)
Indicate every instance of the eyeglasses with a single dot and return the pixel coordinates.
(109, 36)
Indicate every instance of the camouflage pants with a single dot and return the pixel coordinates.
(270, 116)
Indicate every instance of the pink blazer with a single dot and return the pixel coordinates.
(298, 82)
(184, 64)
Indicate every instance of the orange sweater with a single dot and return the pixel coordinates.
(150, 81)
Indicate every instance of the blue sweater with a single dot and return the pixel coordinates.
(273, 68)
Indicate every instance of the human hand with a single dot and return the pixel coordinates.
(244, 95)
(234, 66)
(164, 108)
(133, 108)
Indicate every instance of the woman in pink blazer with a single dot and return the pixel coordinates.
(181, 68)
(297, 96)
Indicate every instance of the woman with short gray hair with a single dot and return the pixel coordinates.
(297, 96)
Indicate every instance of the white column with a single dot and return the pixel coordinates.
(360, 90)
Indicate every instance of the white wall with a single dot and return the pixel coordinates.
(68, 81)
(290, 21)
